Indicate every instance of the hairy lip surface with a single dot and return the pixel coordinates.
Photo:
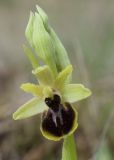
(58, 123)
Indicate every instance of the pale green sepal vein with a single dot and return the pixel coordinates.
(75, 92)
(32, 107)
(69, 148)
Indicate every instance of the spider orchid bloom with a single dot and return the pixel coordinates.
(53, 98)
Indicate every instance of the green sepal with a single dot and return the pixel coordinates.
(36, 90)
(63, 77)
(44, 75)
(31, 108)
(74, 92)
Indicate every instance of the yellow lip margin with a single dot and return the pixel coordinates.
(49, 136)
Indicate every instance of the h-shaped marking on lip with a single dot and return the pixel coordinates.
(55, 108)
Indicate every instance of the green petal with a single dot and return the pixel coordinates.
(44, 75)
(62, 78)
(36, 90)
(75, 92)
(32, 107)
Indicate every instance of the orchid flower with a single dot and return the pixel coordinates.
(54, 95)
(48, 88)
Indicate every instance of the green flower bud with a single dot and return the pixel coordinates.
(44, 18)
(40, 40)
(61, 56)
(45, 42)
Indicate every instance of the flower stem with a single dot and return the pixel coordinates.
(69, 149)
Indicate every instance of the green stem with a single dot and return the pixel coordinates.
(69, 149)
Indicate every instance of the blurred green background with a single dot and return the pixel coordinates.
(86, 28)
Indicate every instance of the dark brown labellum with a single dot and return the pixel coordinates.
(59, 118)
